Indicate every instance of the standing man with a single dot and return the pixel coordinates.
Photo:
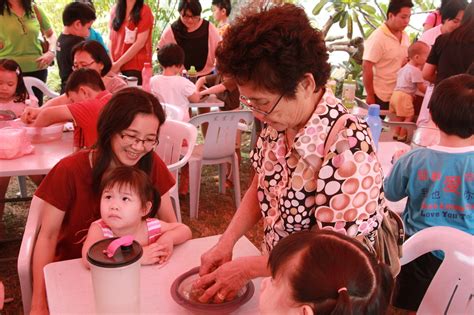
(385, 53)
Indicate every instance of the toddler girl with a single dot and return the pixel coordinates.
(128, 206)
(12, 90)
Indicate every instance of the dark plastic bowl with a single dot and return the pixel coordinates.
(180, 293)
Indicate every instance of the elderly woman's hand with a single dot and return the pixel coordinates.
(225, 282)
(215, 257)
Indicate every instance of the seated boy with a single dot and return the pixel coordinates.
(409, 79)
(77, 20)
(439, 183)
(88, 96)
(170, 87)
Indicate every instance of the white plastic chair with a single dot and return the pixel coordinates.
(31, 82)
(174, 154)
(452, 287)
(25, 256)
(174, 112)
(218, 148)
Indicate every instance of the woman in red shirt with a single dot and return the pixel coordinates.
(127, 135)
(131, 27)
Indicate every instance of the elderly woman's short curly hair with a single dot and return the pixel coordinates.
(273, 50)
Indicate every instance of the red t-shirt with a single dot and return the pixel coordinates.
(68, 187)
(85, 115)
(117, 39)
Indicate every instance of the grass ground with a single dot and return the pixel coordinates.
(215, 212)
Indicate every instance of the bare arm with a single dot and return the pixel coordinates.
(60, 100)
(368, 79)
(131, 52)
(177, 232)
(43, 254)
(52, 115)
(219, 88)
(195, 97)
(93, 235)
(47, 58)
(421, 87)
(166, 211)
(429, 72)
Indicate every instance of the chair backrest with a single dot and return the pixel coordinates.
(37, 83)
(25, 255)
(452, 287)
(173, 112)
(221, 131)
(171, 148)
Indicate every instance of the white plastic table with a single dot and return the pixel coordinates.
(211, 101)
(44, 157)
(385, 153)
(69, 283)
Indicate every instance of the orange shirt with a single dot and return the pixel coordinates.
(119, 44)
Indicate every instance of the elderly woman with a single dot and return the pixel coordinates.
(302, 181)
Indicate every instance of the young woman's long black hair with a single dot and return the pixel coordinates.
(26, 4)
(120, 11)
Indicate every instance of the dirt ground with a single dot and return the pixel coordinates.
(215, 212)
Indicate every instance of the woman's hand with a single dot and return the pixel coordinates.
(224, 283)
(45, 60)
(214, 258)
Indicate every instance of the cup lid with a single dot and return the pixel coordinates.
(124, 256)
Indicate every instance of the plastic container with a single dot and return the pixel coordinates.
(182, 293)
(348, 92)
(132, 81)
(115, 269)
(44, 134)
(147, 72)
(375, 123)
(192, 74)
(14, 143)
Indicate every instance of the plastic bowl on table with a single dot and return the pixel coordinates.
(44, 134)
(181, 294)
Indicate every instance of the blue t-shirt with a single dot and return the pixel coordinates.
(94, 35)
(439, 183)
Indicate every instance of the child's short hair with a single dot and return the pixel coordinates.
(171, 55)
(78, 11)
(452, 105)
(417, 48)
(334, 274)
(84, 77)
(138, 181)
(223, 4)
(21, 94)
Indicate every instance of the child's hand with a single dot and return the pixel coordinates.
(398, 154)
(157, 253)
(29, 115)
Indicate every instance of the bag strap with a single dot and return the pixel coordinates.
(39, 18)
(401, 230)
(338, 125)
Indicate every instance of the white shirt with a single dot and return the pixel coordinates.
(173, 90)
(430, 35)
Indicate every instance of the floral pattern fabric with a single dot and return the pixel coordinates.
(302, 188)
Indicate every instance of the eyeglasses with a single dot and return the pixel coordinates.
(147, 143)
(82, 65)
(246, 102)
(191, 17)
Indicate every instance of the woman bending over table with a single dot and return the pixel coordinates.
(127, 134)
(280, 64)
(91, 54)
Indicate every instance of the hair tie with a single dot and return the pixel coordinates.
(342, 289)
(17, 71)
